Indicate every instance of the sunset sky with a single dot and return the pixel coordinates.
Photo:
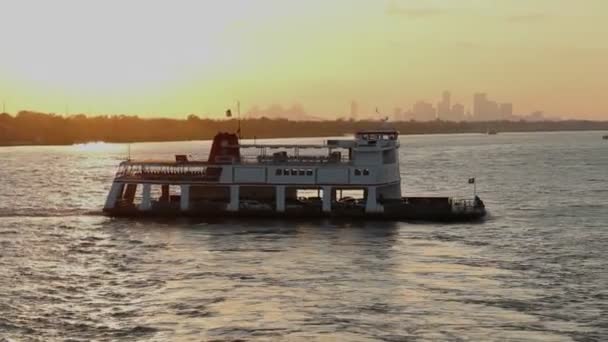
(172, 58)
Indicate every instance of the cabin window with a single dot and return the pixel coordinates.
(279, 172)
(357, 172)
(294, 172)
(285, 172)
(302, 172)
(309, 172)
(365, 172)
(389, 157)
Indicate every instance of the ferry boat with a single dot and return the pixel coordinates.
(346, 178)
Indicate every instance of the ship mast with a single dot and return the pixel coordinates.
(238, 113)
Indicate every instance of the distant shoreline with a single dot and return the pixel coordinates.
(39, 129)
(24, 143)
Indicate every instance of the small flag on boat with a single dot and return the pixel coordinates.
(228, 113)
(471, 180)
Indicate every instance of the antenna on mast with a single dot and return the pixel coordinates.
(238, 119)
(238, 113)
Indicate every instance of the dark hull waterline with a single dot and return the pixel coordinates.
(394, 212)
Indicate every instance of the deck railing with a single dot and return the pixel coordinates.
(466, 204)
(288, 160)
(177, 172)
(201, 169)
(211, 174)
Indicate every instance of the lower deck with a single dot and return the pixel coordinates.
(382, 202)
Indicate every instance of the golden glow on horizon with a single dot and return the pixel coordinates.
(99, 146)
(175, 58)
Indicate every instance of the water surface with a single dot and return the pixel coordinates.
(534, 271)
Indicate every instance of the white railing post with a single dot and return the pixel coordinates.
(115, 193)
(280, 198)
(184, 198)
(234, 198)
(146, 203)
(327, 199)
(371, 203)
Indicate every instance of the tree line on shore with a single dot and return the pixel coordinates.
(34, 128)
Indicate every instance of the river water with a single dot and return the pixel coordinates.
(535, 270)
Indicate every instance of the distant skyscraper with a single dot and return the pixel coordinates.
(479, 106)
(354, 110)
(424, 111)
(457, 113)
(446, 99)
(491, 112)
(443, 107)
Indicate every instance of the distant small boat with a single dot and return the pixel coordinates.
(491, 132)
(605, 137)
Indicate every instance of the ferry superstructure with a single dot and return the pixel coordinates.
(282, 180)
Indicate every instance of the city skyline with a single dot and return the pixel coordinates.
(480, 108)
(159, 59)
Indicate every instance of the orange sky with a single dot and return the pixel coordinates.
(171, 58)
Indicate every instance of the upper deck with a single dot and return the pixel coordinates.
(360, 160)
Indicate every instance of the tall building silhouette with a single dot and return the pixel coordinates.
(446, 99)
(457, 112)
(443, 107)
(491, 110)
(479, 106)
(424, 111)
